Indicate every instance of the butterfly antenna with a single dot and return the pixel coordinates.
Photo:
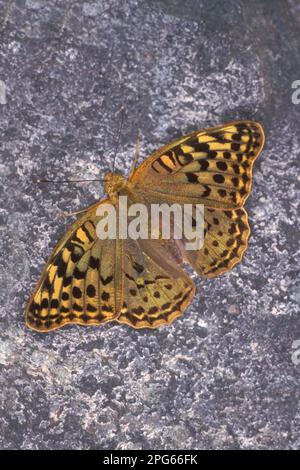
(136, 156)
(43, 180)
(119, 138)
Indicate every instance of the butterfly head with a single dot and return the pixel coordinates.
(113, 184)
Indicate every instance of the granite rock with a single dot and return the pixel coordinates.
(226, 374)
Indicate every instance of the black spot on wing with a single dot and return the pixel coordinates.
(106, 280)
(192, 177)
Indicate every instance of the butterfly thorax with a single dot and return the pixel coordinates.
(113, 184)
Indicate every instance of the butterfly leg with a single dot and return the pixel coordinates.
(64, 214)
(82, 211)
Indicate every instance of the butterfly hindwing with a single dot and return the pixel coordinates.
(156, 289)
(212, 167)
(226, 236)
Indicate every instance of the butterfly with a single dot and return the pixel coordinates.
(142, 283)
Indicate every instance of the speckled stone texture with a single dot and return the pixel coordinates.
(223, 375)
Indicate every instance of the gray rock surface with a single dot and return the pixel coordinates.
(224, 375)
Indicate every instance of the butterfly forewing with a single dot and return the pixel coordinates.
(212, 167)
(81, 282)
